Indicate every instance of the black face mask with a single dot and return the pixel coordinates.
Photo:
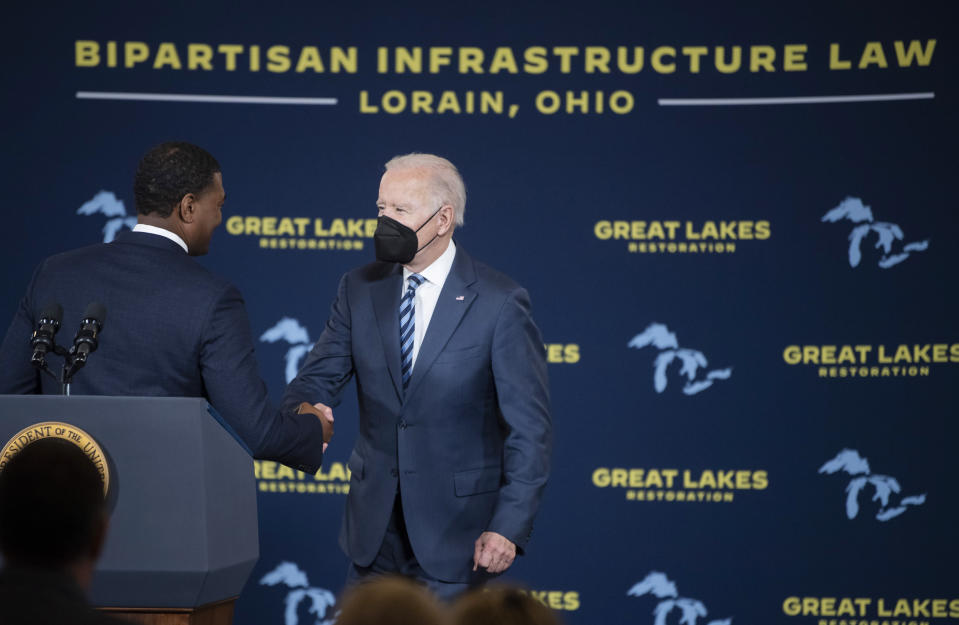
(396, 243)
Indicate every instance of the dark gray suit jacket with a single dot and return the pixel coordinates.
(173, 329)
(469, 443)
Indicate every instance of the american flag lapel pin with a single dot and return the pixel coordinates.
(460, 298)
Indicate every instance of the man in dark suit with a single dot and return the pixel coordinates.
(53, 523)
(455, 432)
(174, 328)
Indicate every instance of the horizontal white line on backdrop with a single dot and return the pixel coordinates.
(188, 97)
(828, 99)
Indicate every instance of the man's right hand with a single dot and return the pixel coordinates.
(325, 414)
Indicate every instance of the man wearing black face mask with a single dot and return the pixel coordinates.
(455, 433)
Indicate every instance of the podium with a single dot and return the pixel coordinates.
(182, 503)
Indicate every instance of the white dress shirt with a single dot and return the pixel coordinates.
(427, 294)
(163, 233)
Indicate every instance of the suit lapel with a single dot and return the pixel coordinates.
(446, 317)
(386, 306)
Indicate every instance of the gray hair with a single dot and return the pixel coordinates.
(446, 184)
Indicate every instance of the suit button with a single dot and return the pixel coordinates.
(394, 473)
(402, 424)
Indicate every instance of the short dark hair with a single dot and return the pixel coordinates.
(168, 172)
(51, 505)
(389, 599)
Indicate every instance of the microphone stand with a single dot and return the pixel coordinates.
(65, 381)
(67, 371)
(61, 379)
(71, 365)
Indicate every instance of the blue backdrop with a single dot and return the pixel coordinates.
(735, 223)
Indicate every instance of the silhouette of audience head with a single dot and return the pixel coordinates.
(389, 600)
(52, 511)
(502, 605)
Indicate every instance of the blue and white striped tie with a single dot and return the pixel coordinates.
(406, 327)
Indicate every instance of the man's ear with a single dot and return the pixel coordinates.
(187, 208)
(446, 218)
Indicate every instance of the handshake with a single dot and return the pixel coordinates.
(325, 414)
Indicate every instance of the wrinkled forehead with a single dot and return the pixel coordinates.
(412, 186)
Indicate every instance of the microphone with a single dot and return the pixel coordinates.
(42, 339)
(85, 342)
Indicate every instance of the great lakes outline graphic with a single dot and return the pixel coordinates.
(289, 574)
(107, 204)
(658, 335)
(888, 233)
(661, 587)
(884, 486)
(296, 335)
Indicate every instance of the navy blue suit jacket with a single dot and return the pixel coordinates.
(469, 444)
(173, 329)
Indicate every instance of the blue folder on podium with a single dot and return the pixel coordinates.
(182, 498)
